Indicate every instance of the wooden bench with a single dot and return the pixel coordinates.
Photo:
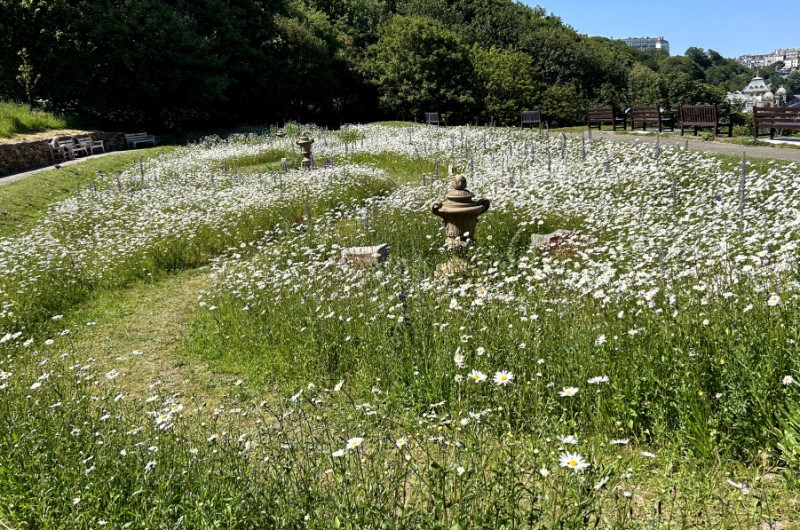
(775, 118)
(136, 139)
(697, 116)
(531, 118)
(652, 115)
(599, 116)
(432, 118)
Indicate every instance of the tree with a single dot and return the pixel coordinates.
(699, 56)
(26, 76)
(419, 65)
(793, 83)
(439, 10)
(505, 82)
(684, 65)
(643, 87)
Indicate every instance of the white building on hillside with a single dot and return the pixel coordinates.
(757, 94)
(790, 57)
(646, 44)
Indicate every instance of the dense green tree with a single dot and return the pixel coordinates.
(506, 84)
(793, 83)
(643, 87)
(439, 10)
(419, 65)
(684, 65)
(180, 64)
(699, 56)
(490, 23)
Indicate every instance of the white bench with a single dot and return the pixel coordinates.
(68, 148)
(92, 145)
(136, 139)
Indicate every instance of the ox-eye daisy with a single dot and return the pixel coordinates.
(503, 377)
(574, 461)
(477, 376)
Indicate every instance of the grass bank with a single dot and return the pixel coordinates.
(17, 118)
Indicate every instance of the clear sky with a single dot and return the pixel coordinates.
(731, 27)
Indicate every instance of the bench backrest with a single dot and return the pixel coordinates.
(531, 116)
(645, 113)
(699, 115)
(432, 117)
(778, 115)
(136, 136)
(600, 113)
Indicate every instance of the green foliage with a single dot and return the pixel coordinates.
(418, 66)
(507, 83)
(185, 65)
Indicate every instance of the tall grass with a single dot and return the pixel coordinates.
(640, 374)
(17, 118)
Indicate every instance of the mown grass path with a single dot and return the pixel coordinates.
(138, 331)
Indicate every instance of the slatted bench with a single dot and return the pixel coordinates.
(599, 116)
(774, 118)
(698, 116)
(653, 116)
(530, 118)
(67, 147)
(432, 118)
(136, 139)
(91, 144)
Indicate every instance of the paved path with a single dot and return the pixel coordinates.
(19, 176)
(790, 154)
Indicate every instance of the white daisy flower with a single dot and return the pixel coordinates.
(477, 376)
(568, 391)
(352, 443)
(503, 378)
(573, 461)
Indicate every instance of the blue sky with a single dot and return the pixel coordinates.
(732, 27)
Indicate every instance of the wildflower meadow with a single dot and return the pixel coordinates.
(640, 372)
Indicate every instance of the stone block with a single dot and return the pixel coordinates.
(552, 240)
(365, 256)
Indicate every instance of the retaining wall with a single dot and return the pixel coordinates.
(23, 156)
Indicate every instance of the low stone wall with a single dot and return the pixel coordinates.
(23, 156)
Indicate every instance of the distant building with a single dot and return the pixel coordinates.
(790, 57)
(646, 44)
(758, 94)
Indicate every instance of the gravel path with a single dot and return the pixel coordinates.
(778, 151)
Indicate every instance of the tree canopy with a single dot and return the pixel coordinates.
(181, 64)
